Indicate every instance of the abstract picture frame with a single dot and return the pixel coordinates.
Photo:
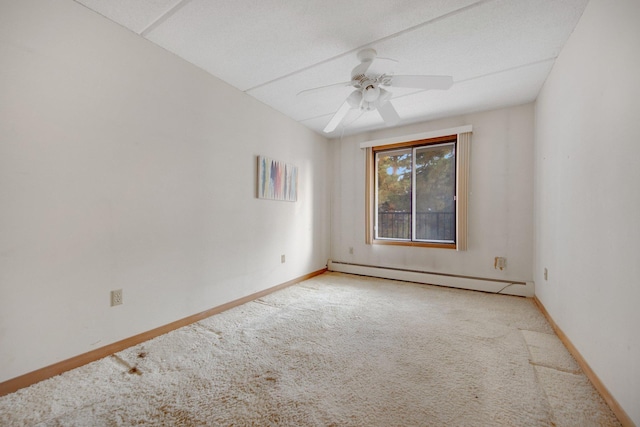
(277, 180)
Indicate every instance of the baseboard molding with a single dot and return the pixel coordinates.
(507, 287)
(30, 378)
(623, 417)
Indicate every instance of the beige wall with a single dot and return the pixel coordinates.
(124, 167)
(587, 195)
(500, 200)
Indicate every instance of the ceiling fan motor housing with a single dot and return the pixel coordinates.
(367, 55)
(359, 77)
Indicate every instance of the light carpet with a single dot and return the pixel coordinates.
(335, 350)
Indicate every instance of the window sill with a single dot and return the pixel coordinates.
(418, 244)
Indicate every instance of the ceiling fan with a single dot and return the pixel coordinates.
(369, 79)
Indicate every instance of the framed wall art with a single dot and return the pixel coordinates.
(277, 180)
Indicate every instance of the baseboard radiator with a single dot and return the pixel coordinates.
(508, 287)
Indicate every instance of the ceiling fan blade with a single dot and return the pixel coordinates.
(388, 113)
(352, 101)
(337, 117)
(422, 82)
(320, 88)
(381, 66)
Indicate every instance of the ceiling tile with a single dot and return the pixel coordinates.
(498, 52)
(248, 43)
(493, 38)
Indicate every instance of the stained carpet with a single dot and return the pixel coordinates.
(335, 350)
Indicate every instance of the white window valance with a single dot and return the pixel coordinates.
(417, 136)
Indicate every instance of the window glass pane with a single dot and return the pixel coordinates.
(394, 194)
(435, 193)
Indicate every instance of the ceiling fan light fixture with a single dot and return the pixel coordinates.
(370, 93)
(367, 106)
(355, 99)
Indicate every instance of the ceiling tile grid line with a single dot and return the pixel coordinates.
(162, 18)
(506, 70)
(135, 15)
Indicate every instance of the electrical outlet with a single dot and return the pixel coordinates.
(546, 274)
(116, 297)
(351, 250)
(282, 258)
(500, 262)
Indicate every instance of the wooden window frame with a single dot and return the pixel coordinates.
(461, 196)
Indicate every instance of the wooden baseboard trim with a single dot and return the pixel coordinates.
(623, 417)
(30, 378)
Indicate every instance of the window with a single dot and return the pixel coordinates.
(413, 194)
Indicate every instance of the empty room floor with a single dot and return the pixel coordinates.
(336, 350)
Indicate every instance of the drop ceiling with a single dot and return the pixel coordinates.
(499, 52)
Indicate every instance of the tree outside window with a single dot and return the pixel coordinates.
(415, 193)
